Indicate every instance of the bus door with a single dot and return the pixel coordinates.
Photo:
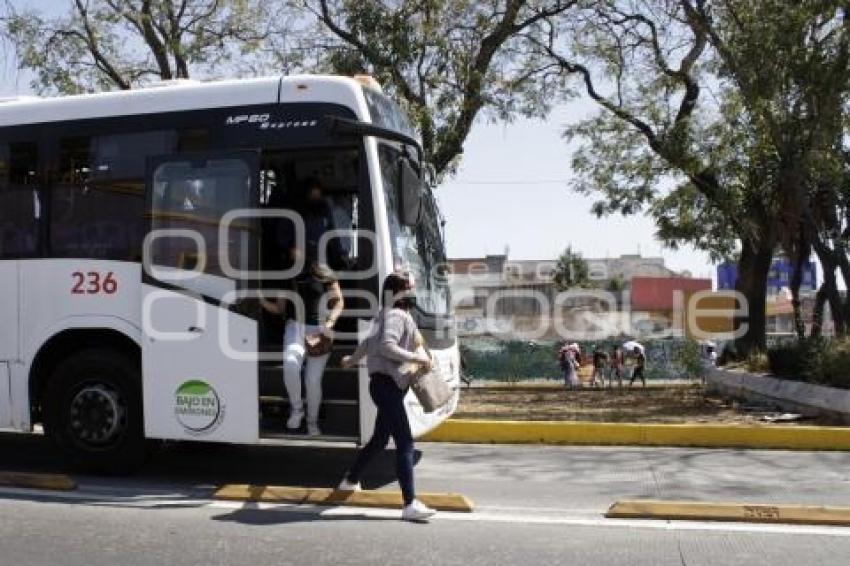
(200, 327)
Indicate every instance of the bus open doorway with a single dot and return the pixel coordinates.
(286, 178)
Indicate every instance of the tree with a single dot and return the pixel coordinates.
(789, 64)
(653, 147)
(571, 271)
(717, 171)
(828, 211)
(449, 61)
(687, 357)
(616, 284)
(120, 44)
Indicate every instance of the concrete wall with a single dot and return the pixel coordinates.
(796, 396)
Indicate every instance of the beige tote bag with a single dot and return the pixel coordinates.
(430, 388)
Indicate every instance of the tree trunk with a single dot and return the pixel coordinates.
(753, 268)
(829, 261)
(828, 293)
(796, 302)
(843, 265)
(801, 252)
(817, 312)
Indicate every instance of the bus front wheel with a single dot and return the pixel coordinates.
(93, 410)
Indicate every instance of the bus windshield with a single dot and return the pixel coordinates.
(387, 114)
(417, 249)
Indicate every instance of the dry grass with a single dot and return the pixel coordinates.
(656, 404)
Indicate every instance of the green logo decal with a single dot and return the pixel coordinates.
(198, 407)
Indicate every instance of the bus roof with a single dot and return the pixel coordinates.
(176, 96)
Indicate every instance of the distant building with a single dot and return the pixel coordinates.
(779, 313)
(626, 267)
(475, 281)
(499, 269)
(778, 278)
(495, 289)
(659, 303)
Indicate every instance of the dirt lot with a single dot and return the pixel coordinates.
(657, 404)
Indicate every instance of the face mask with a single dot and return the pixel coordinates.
(409, 301)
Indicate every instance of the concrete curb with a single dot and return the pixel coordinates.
(731, 512)
(54, 482)
(806, 398)
(590, 433)
(324, 496)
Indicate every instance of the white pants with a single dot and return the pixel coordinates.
(294, 354)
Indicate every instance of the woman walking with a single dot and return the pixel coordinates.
(391, 344)
(640, 364)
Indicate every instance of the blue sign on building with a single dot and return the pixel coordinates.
(778, 277)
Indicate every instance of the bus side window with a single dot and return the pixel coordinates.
(98, 194)
(20, 204)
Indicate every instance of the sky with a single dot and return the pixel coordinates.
(511, 192)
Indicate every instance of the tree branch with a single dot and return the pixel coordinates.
(91, 42)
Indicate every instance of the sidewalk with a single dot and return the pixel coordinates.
(522, 482)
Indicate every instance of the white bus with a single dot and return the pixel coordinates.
(105, 350)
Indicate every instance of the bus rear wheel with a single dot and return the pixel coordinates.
(93, 410)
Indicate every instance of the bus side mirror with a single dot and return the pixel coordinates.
(410, 193)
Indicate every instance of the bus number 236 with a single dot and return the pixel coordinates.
(94, 283)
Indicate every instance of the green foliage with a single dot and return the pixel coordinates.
(451, 62)
(119, 44)
(717, 119)
(512, 361)
(515, 361)
(688, 357)
(571, 271)
(788, 360)
(831, 367)
(616, 284)
(758, 361)
(815, 360)
(647, 151)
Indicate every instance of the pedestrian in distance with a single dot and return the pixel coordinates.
(390, 347)
(567, 358)
(640, 364)
(564, 363)
(577, 352)
(600, 363)
(618, 364)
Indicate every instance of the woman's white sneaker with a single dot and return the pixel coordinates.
(294, 422)
(313, 429)
(346, 485)
(417, 511)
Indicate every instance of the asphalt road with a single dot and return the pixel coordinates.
(535, 505)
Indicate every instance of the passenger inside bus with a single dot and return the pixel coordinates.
(321, 187)
(312, 320)
(317, 214)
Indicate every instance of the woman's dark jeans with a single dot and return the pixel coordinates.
(391, 421)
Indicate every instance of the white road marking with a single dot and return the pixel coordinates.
(548, 516)
(112, 497)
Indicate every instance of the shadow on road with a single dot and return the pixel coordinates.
(258, 517)
(205, 464)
